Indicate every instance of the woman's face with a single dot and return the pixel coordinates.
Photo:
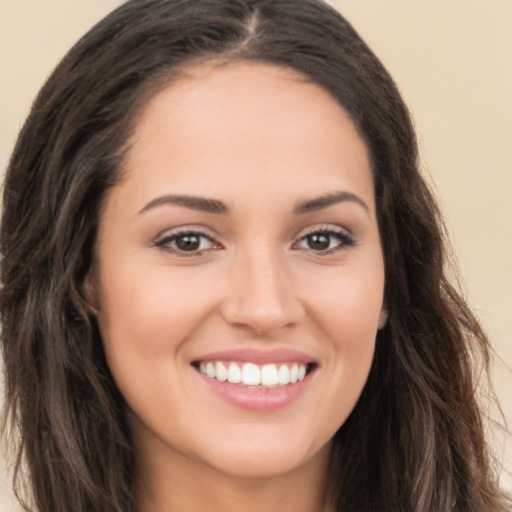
(241, 244)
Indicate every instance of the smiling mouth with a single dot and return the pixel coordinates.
(266, 376)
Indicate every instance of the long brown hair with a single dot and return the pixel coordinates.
(414, 441)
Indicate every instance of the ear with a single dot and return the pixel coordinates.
(383, 317)
(89, 290)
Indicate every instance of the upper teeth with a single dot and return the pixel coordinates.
(250, 374)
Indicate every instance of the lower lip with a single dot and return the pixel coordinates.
(258, 399)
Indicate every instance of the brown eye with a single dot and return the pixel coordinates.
(187, 243)
(319, 241)
(325, 241)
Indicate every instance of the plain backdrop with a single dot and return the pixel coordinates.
(452, 60)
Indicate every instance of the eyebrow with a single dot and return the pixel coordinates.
(215, 206)
(318, 203)
(193, 202)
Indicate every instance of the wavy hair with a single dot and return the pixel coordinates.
(415, 440)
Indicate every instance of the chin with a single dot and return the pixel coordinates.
(267, 460)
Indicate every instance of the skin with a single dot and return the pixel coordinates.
(261, 140)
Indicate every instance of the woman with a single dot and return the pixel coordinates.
(223, 277)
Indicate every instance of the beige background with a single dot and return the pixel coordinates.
(452, 60)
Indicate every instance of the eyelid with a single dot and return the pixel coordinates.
(335, 228)
(172, 233)
(184, 229)
(345, 235)
(164, 238)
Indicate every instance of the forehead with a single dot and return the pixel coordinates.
(240, 91)
(219, 124)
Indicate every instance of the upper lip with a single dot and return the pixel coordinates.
(259, 356)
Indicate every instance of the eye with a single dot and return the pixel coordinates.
(325, 241)
(186, 243)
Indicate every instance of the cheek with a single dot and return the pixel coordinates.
(348, 303)
(145, 317)
(141, 299)
(350, 324)
(347, 310)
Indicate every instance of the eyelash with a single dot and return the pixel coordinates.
(345, 239)
(168, 242)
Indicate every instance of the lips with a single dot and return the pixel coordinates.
(257, 380)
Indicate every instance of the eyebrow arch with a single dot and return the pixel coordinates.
(194, 203)
(312, 205)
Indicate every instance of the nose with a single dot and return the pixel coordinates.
(261, 295)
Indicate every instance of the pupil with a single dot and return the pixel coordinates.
(318, 241)
(188, 243)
